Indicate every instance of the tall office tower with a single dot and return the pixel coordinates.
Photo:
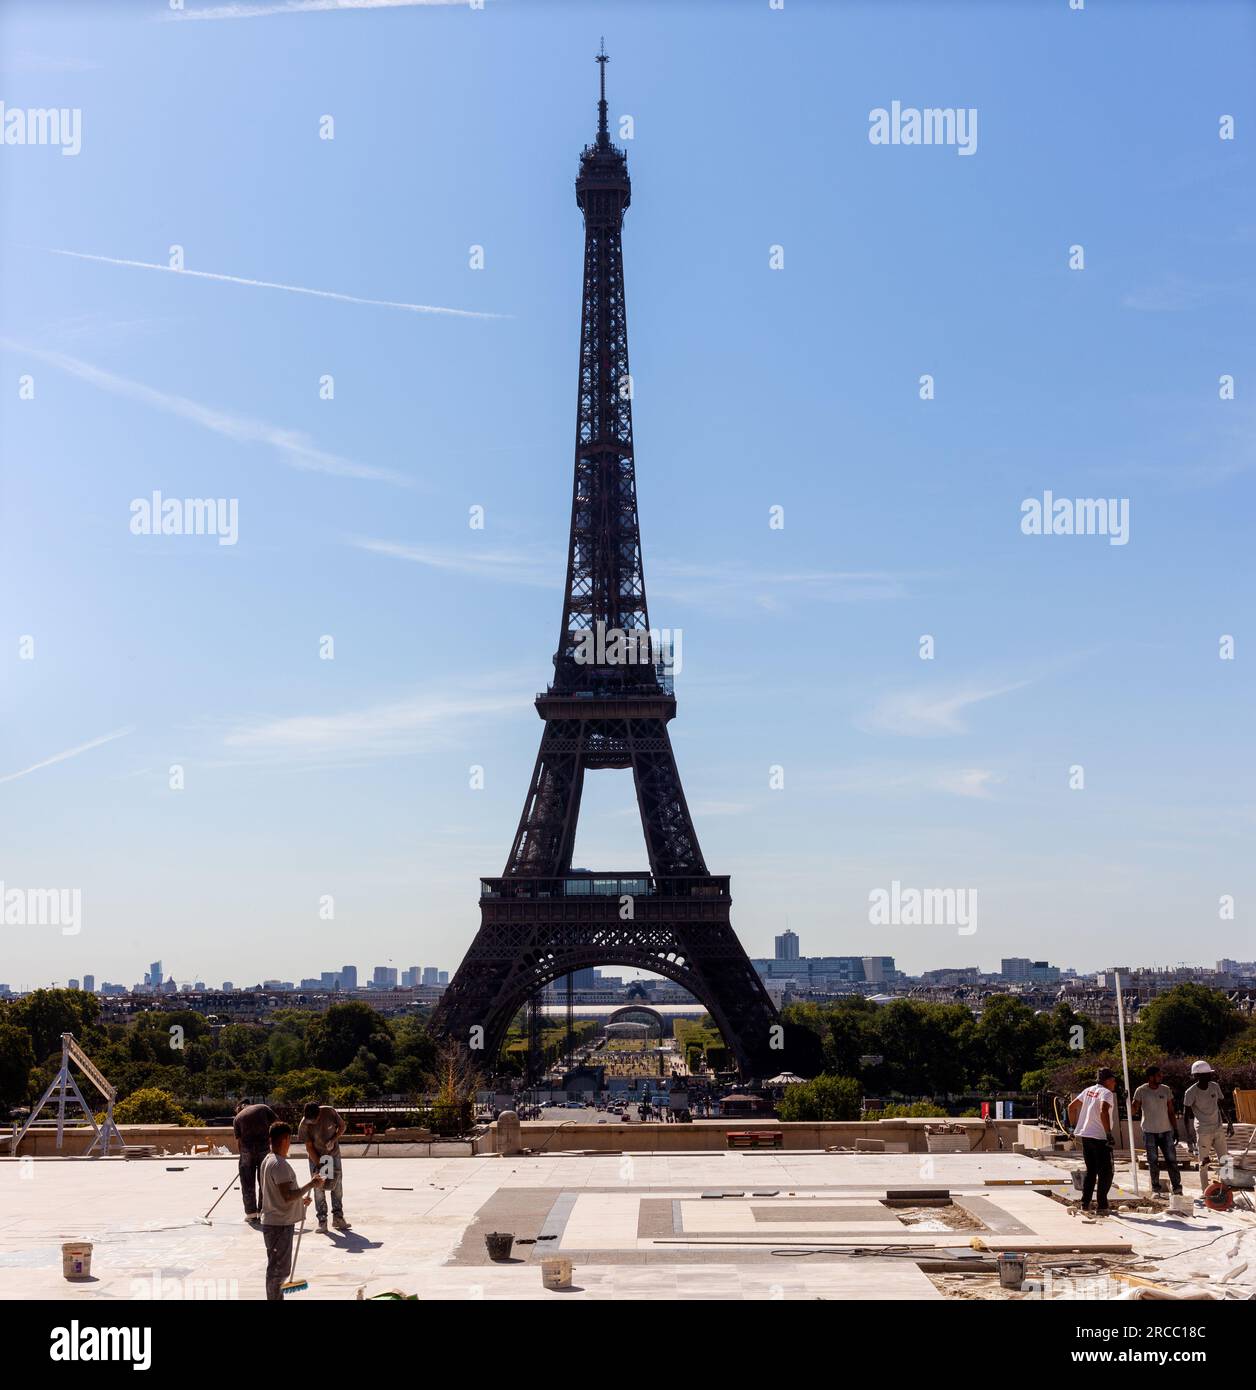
(787, 945)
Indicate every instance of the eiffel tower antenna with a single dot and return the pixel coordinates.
(608, 705)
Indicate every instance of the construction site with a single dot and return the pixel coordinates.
(895, 1209)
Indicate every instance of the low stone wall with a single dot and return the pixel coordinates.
(179, 1139)
(899, 1136)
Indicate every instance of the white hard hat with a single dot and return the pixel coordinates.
(1200, 1068)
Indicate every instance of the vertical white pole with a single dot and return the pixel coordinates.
(63, 1079)
(1129, 1095)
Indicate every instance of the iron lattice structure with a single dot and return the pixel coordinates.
(540, 920)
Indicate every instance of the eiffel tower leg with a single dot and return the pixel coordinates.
(671, 841)
(546, 836)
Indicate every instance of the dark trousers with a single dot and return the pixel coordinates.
(1159, 1142)
(278, 1259)
(250, 1176)
(1099, 1170)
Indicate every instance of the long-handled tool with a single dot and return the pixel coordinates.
(293, 1284)
(204, 1220)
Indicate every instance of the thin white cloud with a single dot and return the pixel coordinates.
(69, 753)
(699, 584)
(900, 779)
(272, 285)
(245, 11)
(770, 589)
(296, 448)
(542, 570)
(976, 782)
(382, 730)
(919, 714)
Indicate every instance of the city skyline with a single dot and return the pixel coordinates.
(354, 779)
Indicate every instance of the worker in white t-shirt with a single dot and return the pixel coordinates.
(1092, 1113)
(1204, 1103)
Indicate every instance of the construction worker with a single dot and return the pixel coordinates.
(320, 1132)
(1205, 1105)
(283, 1205)
(1091, 1113)
(1153, 1109)
(252, 1131)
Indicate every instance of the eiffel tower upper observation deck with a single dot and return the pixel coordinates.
(608, 706)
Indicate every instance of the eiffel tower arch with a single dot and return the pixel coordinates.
(608, 706)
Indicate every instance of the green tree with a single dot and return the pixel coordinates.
(17, 1061)
(47, 1013)
(151, 1106)
(301, 1087)
(824, 1098)
(1189, 1020)
(334, 1038)
(1007, 1039)
(923, 1046)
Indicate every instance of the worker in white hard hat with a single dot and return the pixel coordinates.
(1204, 1103)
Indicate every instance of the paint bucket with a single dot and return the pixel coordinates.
(498, 1245)
(556, 1274)
(76, 1259)
(1011, 1270)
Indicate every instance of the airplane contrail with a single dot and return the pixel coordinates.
(272, 285)
(68, 753)
(244, 11)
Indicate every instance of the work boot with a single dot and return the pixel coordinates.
(322, 1224)
(340, 1223)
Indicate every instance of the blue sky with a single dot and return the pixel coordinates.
(754, 388)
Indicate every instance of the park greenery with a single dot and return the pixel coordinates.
(175, 1066)
(912, 1051)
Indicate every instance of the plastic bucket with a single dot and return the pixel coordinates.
(76, 1259)
(1011, 1270)
(498, 1245)
(556, 1274)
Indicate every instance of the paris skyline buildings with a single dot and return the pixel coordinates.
(351, 777)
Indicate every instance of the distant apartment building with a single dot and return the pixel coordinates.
(787, 945)
(153, 976)
(348, 977)
(89, 983)
(442, 977)
(73, 984)
(1022, 970)
(384, 977)
(228, 987)
(826, 972)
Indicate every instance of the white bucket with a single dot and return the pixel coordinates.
(76, 1259)
(556, 1274)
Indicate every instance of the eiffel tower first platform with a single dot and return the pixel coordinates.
(540, 920)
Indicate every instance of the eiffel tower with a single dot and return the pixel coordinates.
(608, 706)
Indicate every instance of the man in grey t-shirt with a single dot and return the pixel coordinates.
(1153, 1108)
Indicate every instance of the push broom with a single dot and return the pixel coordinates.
(293, 1284)
(204, 1220)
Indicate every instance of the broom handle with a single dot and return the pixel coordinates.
(219, 1198)
(300, 1232)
